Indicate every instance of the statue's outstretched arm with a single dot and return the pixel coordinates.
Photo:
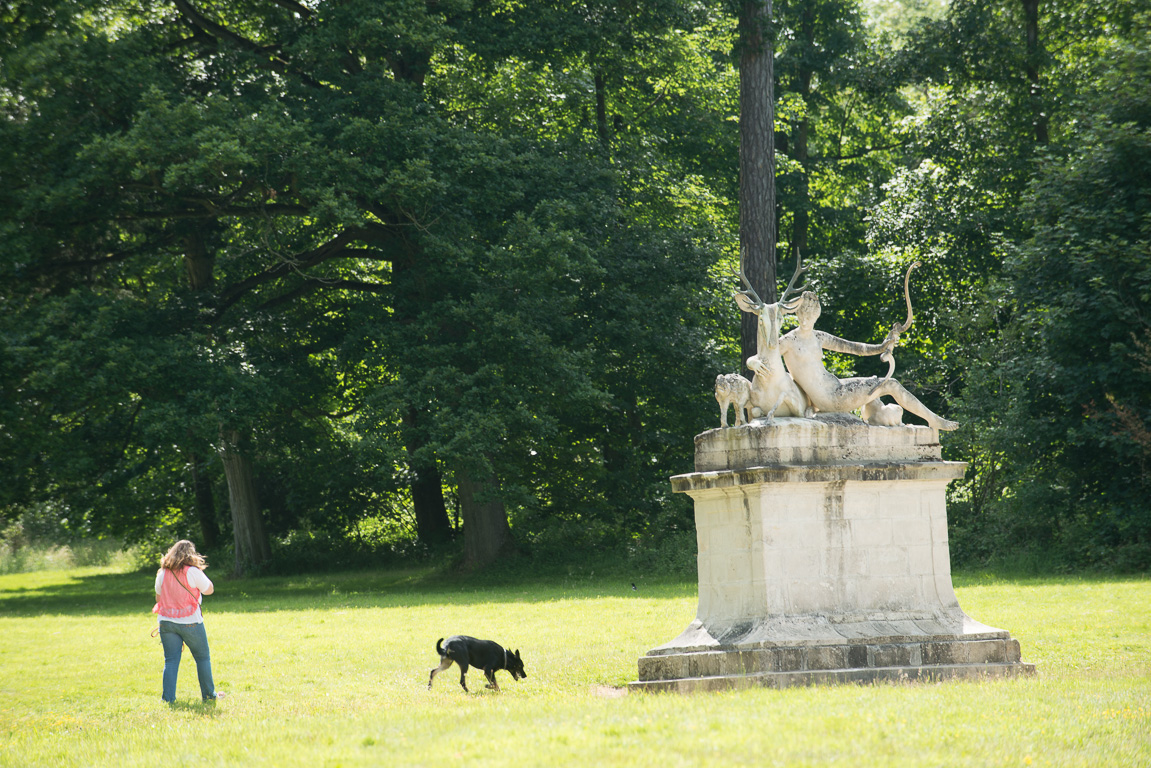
(858, 348)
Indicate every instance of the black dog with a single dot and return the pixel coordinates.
(481, 654)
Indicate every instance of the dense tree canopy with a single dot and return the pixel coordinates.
(279, 271)
(278, 235)
(1030, 204)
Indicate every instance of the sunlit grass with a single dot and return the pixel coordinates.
(332, 670)
(58, 557)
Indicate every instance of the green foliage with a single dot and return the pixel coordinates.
(304, 227)
(1078, 381)
(41, 539)
(542, 354)
(384, 242)
(1021, 179)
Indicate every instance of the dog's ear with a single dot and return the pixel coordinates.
(517, 654)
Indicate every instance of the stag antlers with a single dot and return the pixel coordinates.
(755, 303)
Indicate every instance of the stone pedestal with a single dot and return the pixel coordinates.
(823, 558)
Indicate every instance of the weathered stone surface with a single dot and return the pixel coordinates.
(740, 660)
(832, 677)
(806, 386)
(852, 542)
(712, 481)
(823, 557)
(826, 439)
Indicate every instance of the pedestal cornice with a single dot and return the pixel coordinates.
(826, 440)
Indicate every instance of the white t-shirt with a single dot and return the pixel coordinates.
(197, 579)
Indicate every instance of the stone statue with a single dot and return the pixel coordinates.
(731, 389)
(816, 388)
(802, 350)
(773, 391)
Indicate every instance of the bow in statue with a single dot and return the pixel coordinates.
(897, 330)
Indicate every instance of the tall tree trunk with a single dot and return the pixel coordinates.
(432, 524)
(601, 109)
(198, 261)
(1035, 54)
(487, 535)
(247, 523)
(199, 264)
(205, 503)
(426, 483)
(249, 536)
(801, 217)
(756, 160)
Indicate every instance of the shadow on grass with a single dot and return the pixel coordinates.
(201, 708)
(131, 593)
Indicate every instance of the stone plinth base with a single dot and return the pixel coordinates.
(812, 657)
(786, 667)
(822, 554)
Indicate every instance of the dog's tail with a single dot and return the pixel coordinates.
(439, 646)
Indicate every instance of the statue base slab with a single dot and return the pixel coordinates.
(823, 558)
(799, 660)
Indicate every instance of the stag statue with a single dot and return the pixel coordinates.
(773, 391)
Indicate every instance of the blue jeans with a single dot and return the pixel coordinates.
(173, 637)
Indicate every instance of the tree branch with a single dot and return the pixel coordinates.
(303, 261)
(313, 285)
(337, 247)
(210, 27)
(211, 211)
(219, 31)
(313, 413)
(131, 426)
(96, 262)
(862, 153)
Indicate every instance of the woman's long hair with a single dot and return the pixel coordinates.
(182, 553)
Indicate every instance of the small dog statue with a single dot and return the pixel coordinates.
(733, 389)
(881, 414)
(481, 654)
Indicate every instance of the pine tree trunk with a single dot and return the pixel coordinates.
(801, 217)
(487, 535)
(756, 160)
(1035, 54)
(601, 109)
(248, 532)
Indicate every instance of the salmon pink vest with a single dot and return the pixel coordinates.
(177, 599)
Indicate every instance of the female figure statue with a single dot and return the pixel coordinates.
(802, 351)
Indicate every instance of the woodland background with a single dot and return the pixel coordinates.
(320, 283)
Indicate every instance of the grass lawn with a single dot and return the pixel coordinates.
(331, 670)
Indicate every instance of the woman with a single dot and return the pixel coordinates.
(180, 586)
